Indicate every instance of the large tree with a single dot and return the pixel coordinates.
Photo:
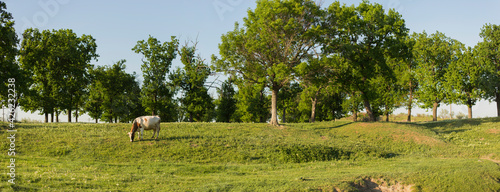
(489, 51)
(365, 35)
(277, 36)
(57, 62)
(433, 54)
(8, 51)
(156, 95)
(70, 63)
(406, 77)
(465, 79)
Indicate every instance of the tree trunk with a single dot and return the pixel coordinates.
(69, 115)
(274, 110)
(469, 107)
(497, 94)
(46, 117)
(434, 111)
(386, 117)
(369, 111)
(409, 115)
(313, 110)
(314, 101)
(52, 117)
(354, 115)
(76, 115)
(410, 102)
(96, 120)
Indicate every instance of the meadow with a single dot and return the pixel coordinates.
(450, 155)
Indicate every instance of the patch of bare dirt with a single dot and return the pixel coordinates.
(494, 131)
(490, 158)
(380, 185)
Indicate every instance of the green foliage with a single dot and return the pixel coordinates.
(58, 62)
(365, 49)
(289, 103)
(253, 105)
(226, 106)
(276, 37)
(490, 55)
(8, 52)
(465, 79)
(308, 153)
(156, 95)
(433, 55)
(196, 102)
(113, 94)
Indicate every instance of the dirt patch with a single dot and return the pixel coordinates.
(380, 185)
(493, 131)
(490, 158)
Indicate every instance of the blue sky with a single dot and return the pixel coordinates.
(118, 25)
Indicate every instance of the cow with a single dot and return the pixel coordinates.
(145, 123)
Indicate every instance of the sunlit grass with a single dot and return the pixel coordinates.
(427, 156)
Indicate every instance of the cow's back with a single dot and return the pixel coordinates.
(149, 122)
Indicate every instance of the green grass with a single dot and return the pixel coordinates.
(459, 155)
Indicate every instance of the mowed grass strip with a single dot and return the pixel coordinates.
(324, 156)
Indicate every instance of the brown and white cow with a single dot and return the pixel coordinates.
(145, 123)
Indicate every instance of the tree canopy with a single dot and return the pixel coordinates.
(276, 37)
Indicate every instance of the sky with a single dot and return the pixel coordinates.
(118, 25)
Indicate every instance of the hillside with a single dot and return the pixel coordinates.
(459, 155)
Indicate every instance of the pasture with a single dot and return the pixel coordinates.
(458, 155)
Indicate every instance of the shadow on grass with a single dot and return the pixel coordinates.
(449, 126)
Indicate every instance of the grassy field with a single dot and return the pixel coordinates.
(458, 155)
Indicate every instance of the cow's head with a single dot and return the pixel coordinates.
(131, 134)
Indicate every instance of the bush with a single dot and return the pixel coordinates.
(298, 153)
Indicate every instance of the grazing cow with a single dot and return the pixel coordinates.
(145, 123)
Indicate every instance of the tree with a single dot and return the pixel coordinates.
(226, 103)
(465, 79)
(490, 54)
(58, 63)
(330, 107)
(407, 80)
(252, 103)
(95, 96)
(433, 54)
(289, 103)
(192, 78)
(156, 96)
(113, 93)
(315, 76)
(365, 36)
(8, 52)
(277, 36)
(70, 61)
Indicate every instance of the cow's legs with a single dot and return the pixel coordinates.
(158, 130)
(140, 136)
(154, 132)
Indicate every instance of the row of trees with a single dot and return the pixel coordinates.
(317, 64)
(362, 55)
